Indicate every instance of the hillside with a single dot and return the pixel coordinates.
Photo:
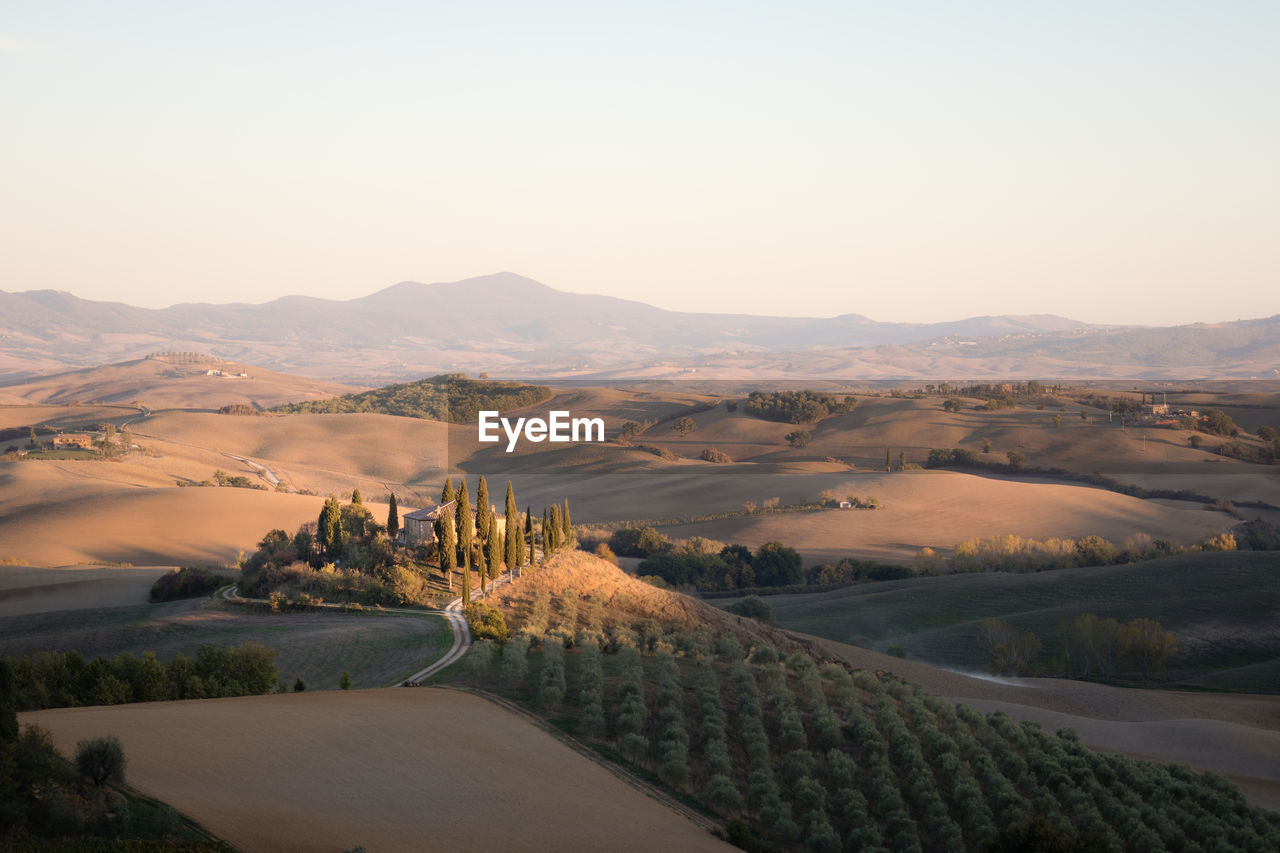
(803, 749)
(529, 329)
(1222, 608)
(416, 768)
(166, 383)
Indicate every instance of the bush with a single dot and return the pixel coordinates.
(638, 542)
(487, 623)
(101, 761)
(711, 454)
(189, 582)
(753, 607)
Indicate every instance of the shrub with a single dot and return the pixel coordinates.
(515, 662)
(189, 582)
(101, 761)
(753, 607)
(711, 454)
(487, 623)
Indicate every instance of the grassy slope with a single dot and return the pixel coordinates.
(1223, 608)
(316, 647)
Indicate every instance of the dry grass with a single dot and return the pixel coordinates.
(71, 512)
(391, 769)
(629, 601)
(161, 385)
(25, 589)
(942, 508)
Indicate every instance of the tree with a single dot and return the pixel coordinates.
(777, 565)
(902, 460)
(513, 539)
(447, 547)
(798, 438)
(329, 528)
(1057, 421)
(393, 518)
(888, 459)
(1148, 644)
(1010, 651)
(554, 529)
(101, 760)
(357, 499)
(1267, 433)
(528, 529)
(483, 510)
(753, 606)
(1195, 441)
(466, 529)
(547, 547)
(684, 425)
(493, 548)
(566, 526)
(1219, 423)
(986, 445)
(446, 494)
(482, 568)
(630, 429)
(1016, 460)
(952, 404)
(344, 682)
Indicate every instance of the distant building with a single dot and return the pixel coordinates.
(73, 439)
(1155, 409)
(846, 504)
(419, 525)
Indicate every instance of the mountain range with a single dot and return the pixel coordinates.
(509, 325)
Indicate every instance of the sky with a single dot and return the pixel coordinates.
(1111, 162)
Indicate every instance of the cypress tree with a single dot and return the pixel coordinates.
(357, 499)
(565, 527)
(528, 528)
(448, 547)
(329, 528)
(516, 533)
(446, 494)
(888, 459)
(493, 548)
(511, 541)
(481, 568)
(482, 510)
(393, 518)
(555, 528)
(546, 538)
(466, 528)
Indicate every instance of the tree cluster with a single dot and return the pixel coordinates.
(450, 397)
(796, 407)
(66, 679)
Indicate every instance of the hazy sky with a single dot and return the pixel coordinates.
(1111, 161)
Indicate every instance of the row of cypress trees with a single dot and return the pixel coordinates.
(466, 536)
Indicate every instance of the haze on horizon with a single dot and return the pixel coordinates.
(1109, 164)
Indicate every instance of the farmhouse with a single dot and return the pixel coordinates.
(73, 439)
(419, 525)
